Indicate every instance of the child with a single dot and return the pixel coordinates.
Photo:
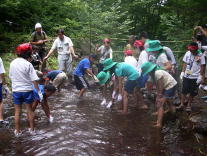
(193, 73)
(165, 85)
(122, 70)
(104, 79)
(130, 59)
(157, 55)
(105, 52)
(46, 91)
(2, 81)
(82, 68)
(57, 77)
(23, 77)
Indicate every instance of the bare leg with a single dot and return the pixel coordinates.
(190, 102)
(140, 100)
(46, 108)
(30, 114)
(160, 117)
(125, 102)
(82, 91)
(34, 105)
(1, 111)
(160, 113)
(17, 117)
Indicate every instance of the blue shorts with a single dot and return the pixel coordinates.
(1, 94)
(141, 81)
(170, 93)
(130, 85)
(23, 97)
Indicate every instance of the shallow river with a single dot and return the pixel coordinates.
(84, 127)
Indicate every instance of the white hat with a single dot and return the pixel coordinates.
(38, 25)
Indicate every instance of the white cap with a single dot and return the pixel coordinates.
(38, 25)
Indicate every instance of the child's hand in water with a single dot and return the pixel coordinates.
(114, 95)
(119, 97)
(40, 96)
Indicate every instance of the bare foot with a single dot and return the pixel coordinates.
(157, 125)
(154, 114)
(166, 111)
(144, 107)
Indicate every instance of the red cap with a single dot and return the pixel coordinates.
(106, 40)
(190, 47)
(23, 48)
(128, 52)
(138, 43)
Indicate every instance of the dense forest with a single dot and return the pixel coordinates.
(88, 21)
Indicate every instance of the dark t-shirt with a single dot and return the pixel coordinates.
(52, 75)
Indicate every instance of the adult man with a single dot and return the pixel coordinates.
(38, 40)
(64, 47)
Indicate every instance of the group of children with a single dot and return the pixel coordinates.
(147, 64)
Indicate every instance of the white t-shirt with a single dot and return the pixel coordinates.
(105, 53)
(193, 65)
(62, 46)
(2, 70)
(167, 80)
(169, 55)
(22, 74)
(132, 61)
(143, 57)
(161, 60)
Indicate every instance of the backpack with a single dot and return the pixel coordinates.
(35, 35)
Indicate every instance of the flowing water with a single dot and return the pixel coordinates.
(84, 127)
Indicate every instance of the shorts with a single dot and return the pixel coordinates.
(170, 93)
(130, 85)
(80, 82)
(23, 97)
(142, 80)
(1, 93)
(190, 87)
(60, 79)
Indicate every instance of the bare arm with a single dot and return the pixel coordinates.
(2, 76)
(35, 83)
(159, 87)
(49, 54)
(46, 82)
(184, 67)
(73, 52)
(89, 71)
(120, 81)
(203, 67)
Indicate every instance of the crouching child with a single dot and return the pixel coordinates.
(165, 85)
(57, 77)
(46, 91)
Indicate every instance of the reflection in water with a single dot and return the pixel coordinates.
(84, 127)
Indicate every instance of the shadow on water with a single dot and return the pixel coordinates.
(84, 127)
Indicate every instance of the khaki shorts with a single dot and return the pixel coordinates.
(60, 79)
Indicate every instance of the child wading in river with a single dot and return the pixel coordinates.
(124, 70)
(165, 85)
(46, 91)
(84, 66)
(23, 77)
